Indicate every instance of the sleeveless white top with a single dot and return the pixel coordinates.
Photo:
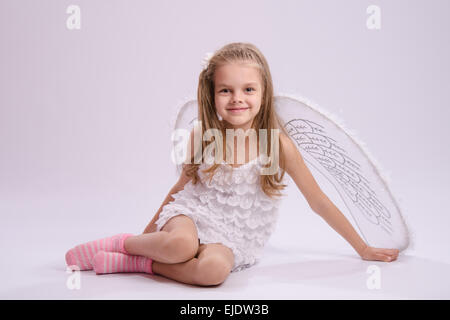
(232, 209)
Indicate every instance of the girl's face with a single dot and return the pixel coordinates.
(237, 94)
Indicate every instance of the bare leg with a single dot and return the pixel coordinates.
(181, 272)
(211, 267)
(148, 245)
(176, 242)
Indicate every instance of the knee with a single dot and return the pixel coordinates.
(212, 270)
(180, 248)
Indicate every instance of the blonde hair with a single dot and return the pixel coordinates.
(265, 119)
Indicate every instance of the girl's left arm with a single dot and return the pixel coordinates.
(322, 205)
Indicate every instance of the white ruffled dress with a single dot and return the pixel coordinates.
(232, 209)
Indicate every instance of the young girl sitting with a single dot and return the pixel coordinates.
(217, 218)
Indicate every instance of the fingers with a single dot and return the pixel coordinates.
(381, 254)
(386, 257)
(390, 258)
(382, 257)
(389, 251)
(388, 254)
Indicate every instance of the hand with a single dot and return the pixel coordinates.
(151, 227)
(379, 254)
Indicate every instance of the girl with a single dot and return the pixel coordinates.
(217, 218)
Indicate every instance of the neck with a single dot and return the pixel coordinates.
(244, 126)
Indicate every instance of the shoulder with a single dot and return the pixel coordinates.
(288, 149)
(290, 153)
(296, 168)
(285, 140)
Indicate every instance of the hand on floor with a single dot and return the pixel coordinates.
(379, 254)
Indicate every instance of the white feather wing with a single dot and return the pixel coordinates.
(338, 159)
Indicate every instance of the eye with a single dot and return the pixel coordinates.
(222, 90)
(251, 88)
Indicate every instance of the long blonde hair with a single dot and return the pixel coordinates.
(265, 119)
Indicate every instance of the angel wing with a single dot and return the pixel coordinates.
(336, 157)
(184, 123)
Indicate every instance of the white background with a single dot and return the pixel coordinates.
(86, 118)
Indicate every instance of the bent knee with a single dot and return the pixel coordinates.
(179, 247)
(212, 270)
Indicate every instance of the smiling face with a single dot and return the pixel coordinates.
(237, 94)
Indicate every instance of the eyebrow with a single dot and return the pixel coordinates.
(226, 85)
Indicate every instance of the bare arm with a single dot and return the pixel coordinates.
(316, 198)
(325, 208)
(151, 227)
(334, 217)
(299, 172)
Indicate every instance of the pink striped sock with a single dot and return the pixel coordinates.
(112, 262)
(83, 254)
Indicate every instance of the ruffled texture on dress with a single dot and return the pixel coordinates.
(232, 209)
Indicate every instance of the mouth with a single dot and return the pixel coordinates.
(237, 110)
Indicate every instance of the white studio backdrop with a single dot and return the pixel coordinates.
(86, 114)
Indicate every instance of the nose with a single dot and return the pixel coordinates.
(236, 99)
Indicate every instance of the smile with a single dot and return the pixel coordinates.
(237, 110)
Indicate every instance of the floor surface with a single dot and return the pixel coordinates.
(304, 259)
